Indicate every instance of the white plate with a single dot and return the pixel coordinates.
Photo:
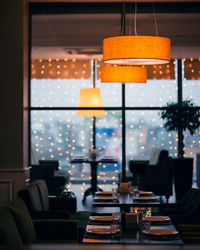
(145, 198)
(104, 193)
(94, 229)
(145, 193)
(156, 218)
(101, 218)
(104, 198)
(160, 232)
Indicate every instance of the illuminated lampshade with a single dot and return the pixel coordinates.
(90, 97)
(136, 50)
(124, 74)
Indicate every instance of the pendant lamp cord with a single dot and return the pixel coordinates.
(130, 22)
(123, 19)
(135, 19)
(155, 21)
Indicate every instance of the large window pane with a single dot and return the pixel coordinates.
(109, 142)
(144, 131)
(191, 82)
(57, 83)
(155, 93)
(59, 135)
(111, 94)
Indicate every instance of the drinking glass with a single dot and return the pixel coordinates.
(115, 195)
(135, 191)
(116, 217)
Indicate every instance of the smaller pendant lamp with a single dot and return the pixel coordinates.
(123, 74)
(136, 50)
(90, 97)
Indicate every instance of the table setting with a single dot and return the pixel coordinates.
(136, 223)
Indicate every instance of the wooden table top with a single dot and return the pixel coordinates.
(134, 236)
(127, 200)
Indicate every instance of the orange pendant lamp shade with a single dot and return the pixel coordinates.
(123, 74)
(136, 50)
(90, 97)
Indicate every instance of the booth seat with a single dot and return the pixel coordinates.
(17, 227)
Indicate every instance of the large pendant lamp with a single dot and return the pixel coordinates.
(123, 74)
(90, 98)
(136, 49)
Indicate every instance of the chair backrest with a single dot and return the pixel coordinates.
(35, 196)
(157, 155)
(43, 172)
(31, 197)
(43, 192)
(158, 175)
(54, 163)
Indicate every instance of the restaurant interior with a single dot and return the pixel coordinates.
(100, 124)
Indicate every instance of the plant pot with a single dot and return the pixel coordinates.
(183, 176)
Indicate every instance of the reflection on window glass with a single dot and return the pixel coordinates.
(191, 90)
(155, 93)
(144, 131)
(59, 135)
(109, 142)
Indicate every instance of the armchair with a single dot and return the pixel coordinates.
(42, 206)
(47, 171)
(154, 175)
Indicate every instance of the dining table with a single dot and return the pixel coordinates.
(156, 233)
(127, 200)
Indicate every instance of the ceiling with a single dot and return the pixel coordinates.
(69, 35)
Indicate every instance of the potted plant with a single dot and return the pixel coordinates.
(180, 118)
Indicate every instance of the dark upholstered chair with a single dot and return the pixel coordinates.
(43, 206)
(156, 173)
(46, 171)
(183, 206)
(54, 163)
(18, 228)
(191, 215)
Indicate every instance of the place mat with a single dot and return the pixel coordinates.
(156, 219)
(93, 240)
(105, 198)
(104, 193)
(160, 232)
(102, 218)
(101, 230)
(144, 193)
(146, 199)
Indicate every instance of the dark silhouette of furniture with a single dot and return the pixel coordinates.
(18, 228)
(54, 163)
(42, 206)
(93, 167)
(183, 176)
(46, 170)
(183, 206)
(189, 216)
(61, 176)
(154, 175)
